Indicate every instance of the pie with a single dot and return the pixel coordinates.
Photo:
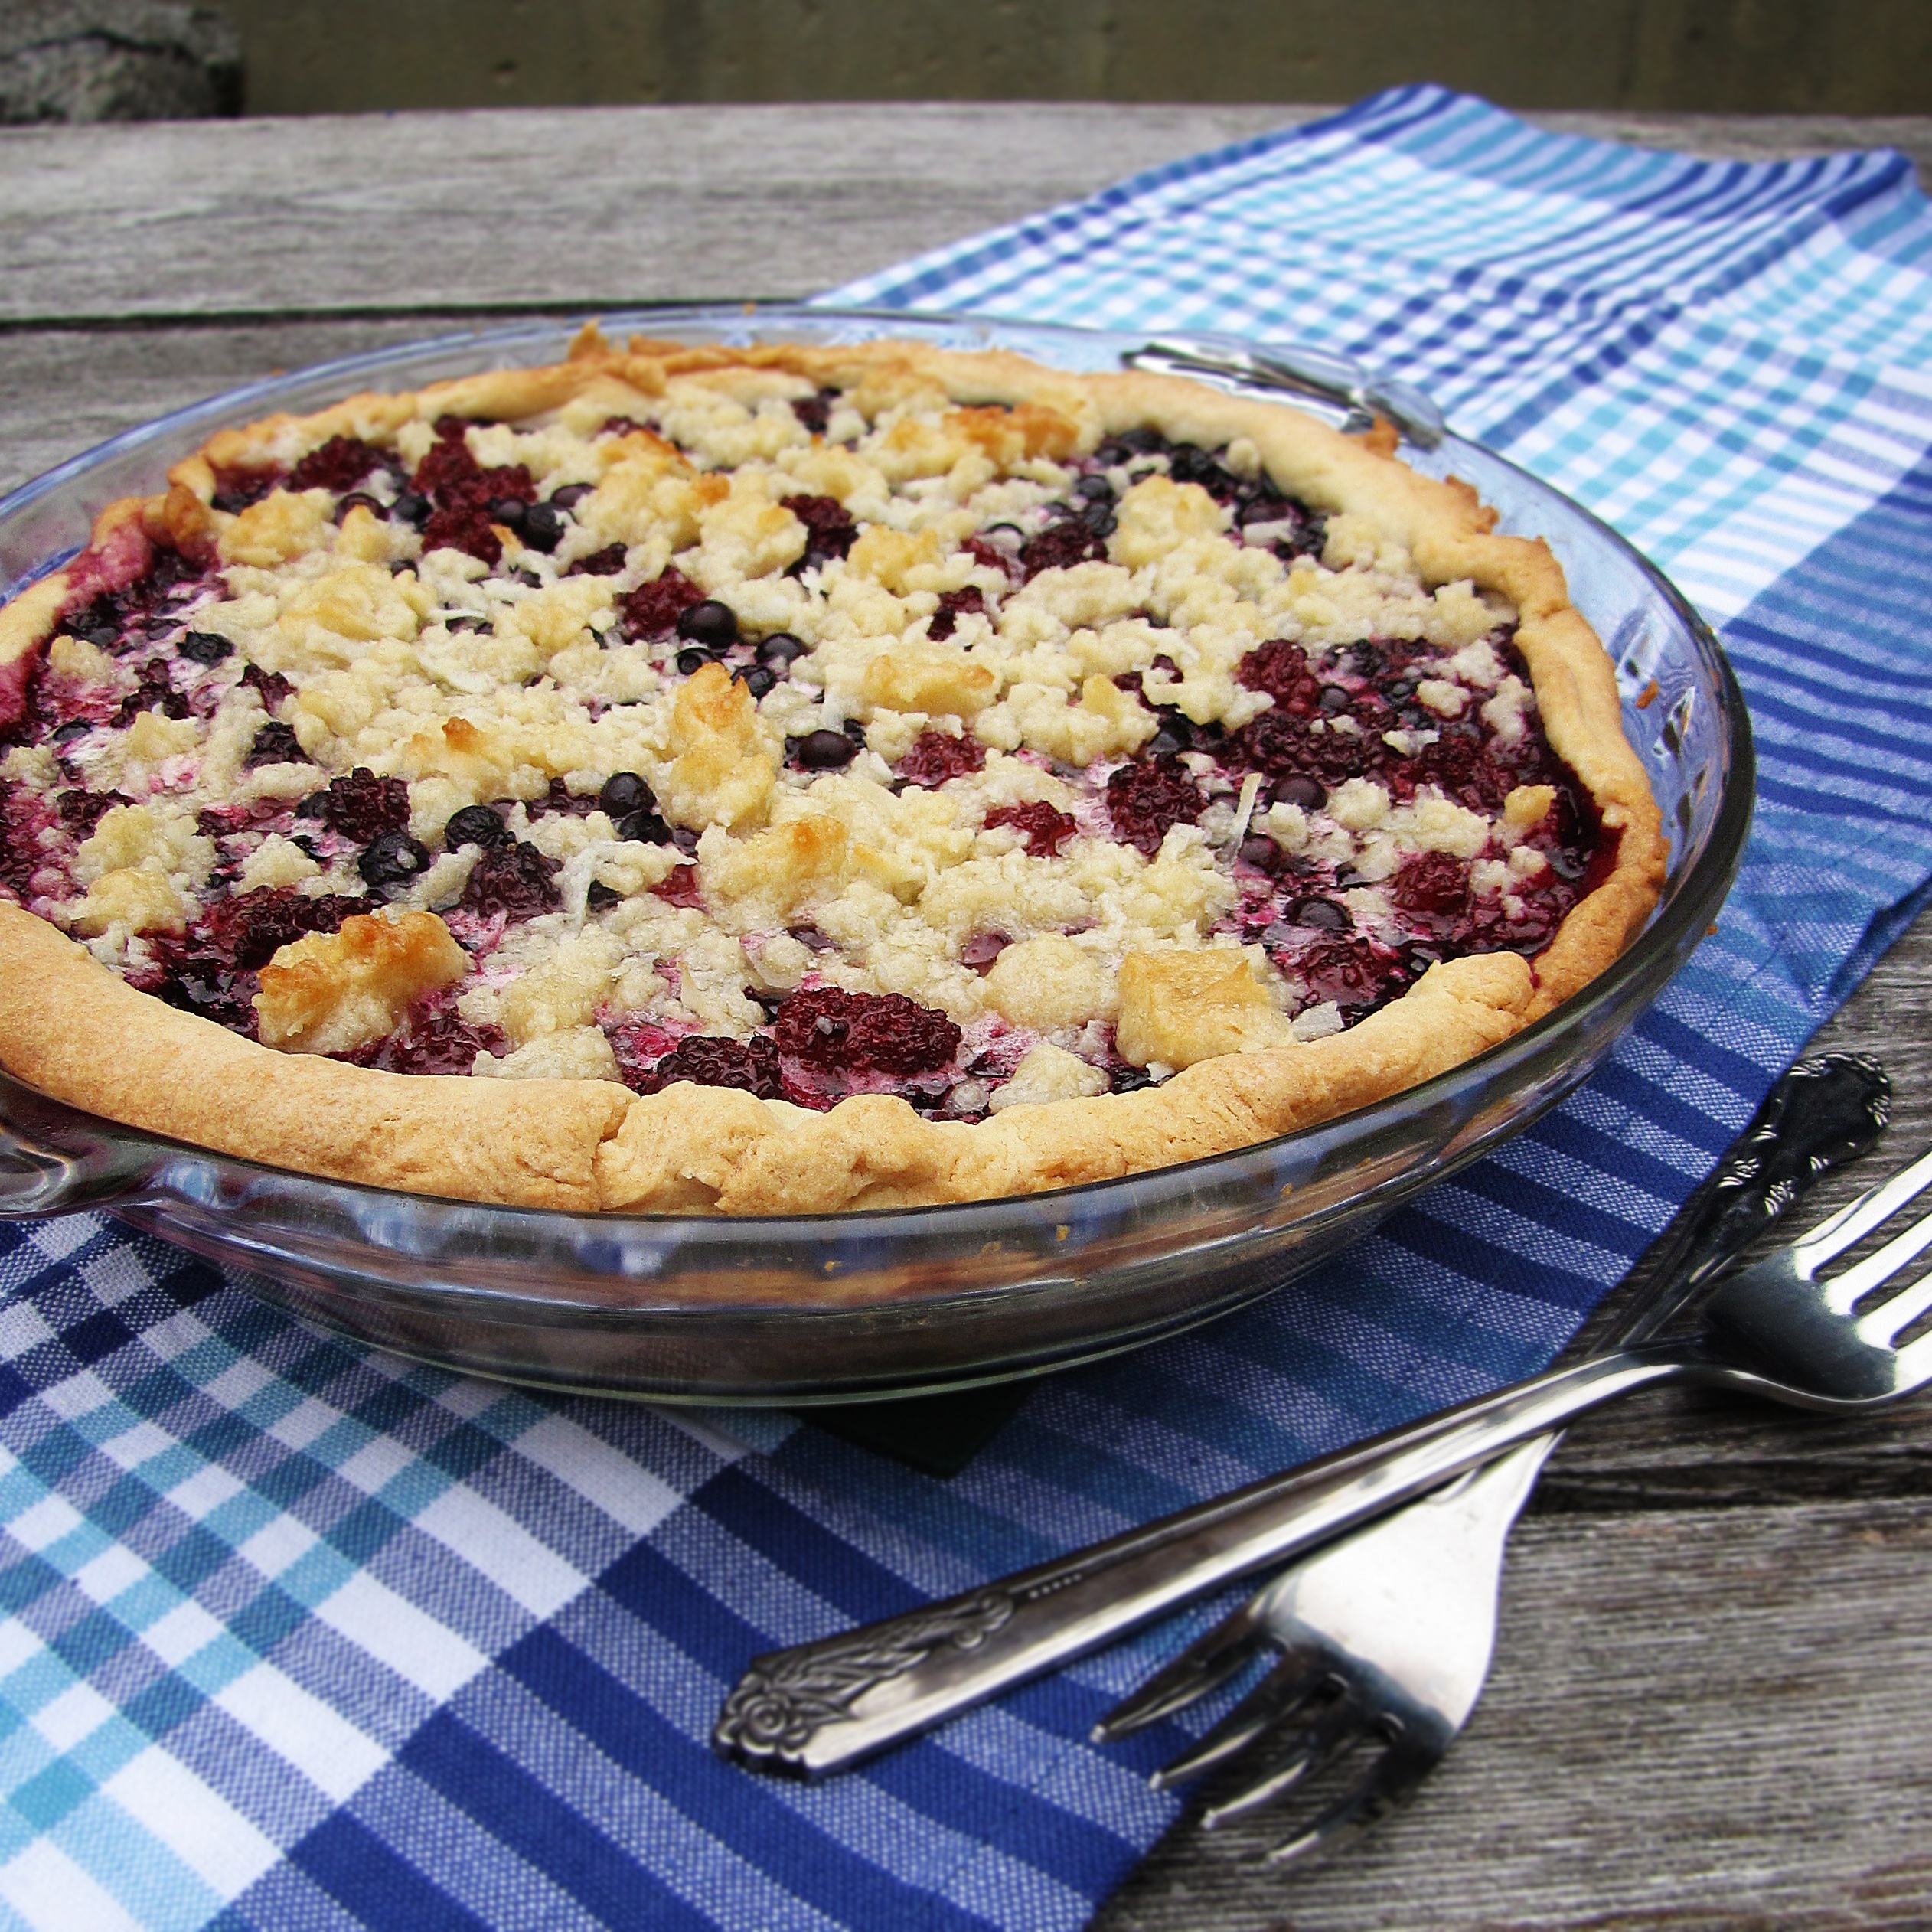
(792, 779)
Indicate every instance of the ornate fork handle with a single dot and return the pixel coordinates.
(819, 1707)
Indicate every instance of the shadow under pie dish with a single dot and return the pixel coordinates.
(795, 779)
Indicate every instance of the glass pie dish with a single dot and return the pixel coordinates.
(878, 1304)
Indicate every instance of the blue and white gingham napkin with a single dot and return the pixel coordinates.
(300, 1635)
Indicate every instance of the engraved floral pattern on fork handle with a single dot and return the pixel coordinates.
(786, 1697)
(821, 1706)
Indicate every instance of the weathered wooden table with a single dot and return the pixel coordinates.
(1712, 1704)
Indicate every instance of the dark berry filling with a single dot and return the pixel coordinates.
(1148, 796)
(954, 604)
(81, 812)
(210, 969)
(340, 464)
(515, 880)
(709, 624)
(469, 501)
(832, 1032)
(981, 949)
(1061, 546)
(391, 861)
(476, 825)
(359, 805)
(1045, 828)
(679, 887)
(935, 757)
(815, 412)
(751, 1065)
(433, 1038)
(204, 647)
(236, 490)
(829, 530)
(651, 611)
(276, 690)
(1353, 713)
(275, 744)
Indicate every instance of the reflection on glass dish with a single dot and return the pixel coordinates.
(839, 1306)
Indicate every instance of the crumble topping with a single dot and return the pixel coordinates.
(810, 742)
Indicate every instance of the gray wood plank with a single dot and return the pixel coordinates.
(352, 213)
(1710, 1697)
(67, 390)
(383, 213)
(1697, 1719)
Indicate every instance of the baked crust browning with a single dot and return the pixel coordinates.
(81, 1034)
(75, 1030)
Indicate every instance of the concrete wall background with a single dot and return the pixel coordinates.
(1857, 57)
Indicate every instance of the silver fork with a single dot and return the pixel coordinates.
(1773, 1329)
(1387, 1636)
(1358, 1663)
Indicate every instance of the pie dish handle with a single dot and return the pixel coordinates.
(1318, 373)
(38, 1179)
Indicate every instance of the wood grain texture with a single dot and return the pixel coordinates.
(434, 211)
(428, 213)
(1696, 1719)
(1712, 1694)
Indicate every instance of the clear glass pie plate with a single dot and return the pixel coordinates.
(838, 1307)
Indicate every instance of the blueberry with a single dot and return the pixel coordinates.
(276, 743)
(204, 647)
(542, 526)
(475, 825)
(1176, 734)
(74, 727)
(1335, 698)
(1129, 1080)
(689, 663)
(781, 650)
(823, 751)
(644, 828)
(710, 623)
(571, 495)
(1096, 489)
(1259, 850)
(856, 732)
(685, 840)
(509, 511)
(1567, 865)
(1323, 914)
(758, 681)
(393, 859)
(624, 793)
(599, 895)
(1297, 790)
(413, 506)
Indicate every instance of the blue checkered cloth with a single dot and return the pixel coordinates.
(300, 1635)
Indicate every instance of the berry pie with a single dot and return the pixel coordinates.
(786, 779)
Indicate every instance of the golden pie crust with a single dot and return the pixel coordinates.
(75, 1030)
